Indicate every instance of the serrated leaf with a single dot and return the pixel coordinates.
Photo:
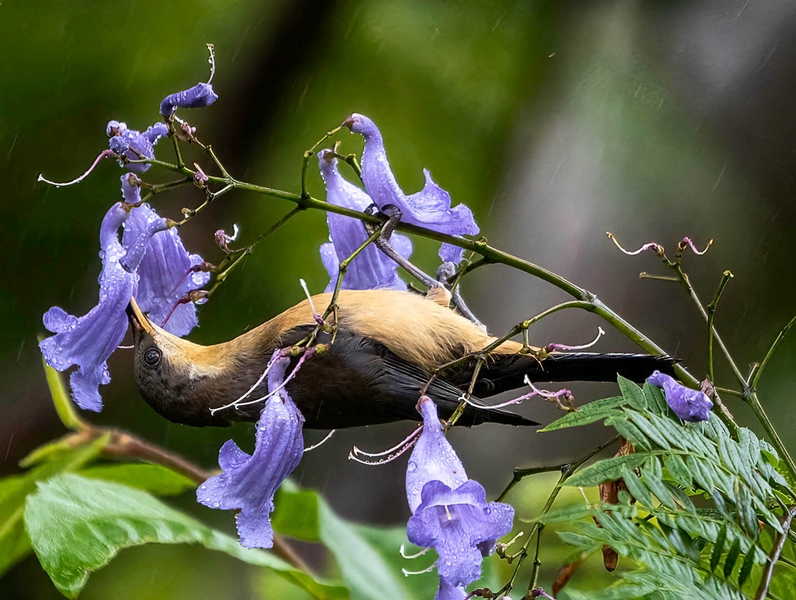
(77, 525)
(637, 488)
(632, 393)
(609, 469)
(589, 413)
(649, 430)
(656, 401)
(154, 479)
(629, 431)
(677, 469)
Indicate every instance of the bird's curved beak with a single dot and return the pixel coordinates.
(138, 320)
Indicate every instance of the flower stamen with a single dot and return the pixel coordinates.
(397, 446)
(551, 347)
(103, 154)
(322, 442)
(412, 556)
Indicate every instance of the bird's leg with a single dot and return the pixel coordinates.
(444, 274)
(393, 214)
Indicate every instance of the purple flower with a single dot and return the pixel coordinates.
(371, 269)
(431, 207)
(131, 188)
(198, 96)
(447, 591)
(452, 515)
(249, 482)
(689, 405)
(89, 340)
(164, 270)
(133, 144)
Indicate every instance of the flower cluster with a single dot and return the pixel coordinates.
(149, 262)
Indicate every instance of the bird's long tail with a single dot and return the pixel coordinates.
(507, 372)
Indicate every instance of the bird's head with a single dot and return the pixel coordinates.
(181, 380)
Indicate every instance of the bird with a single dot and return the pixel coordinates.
(387, 345)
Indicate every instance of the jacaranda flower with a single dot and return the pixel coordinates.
(131, 188)
(133, 144)
(452, 515)
(447, 591)
(689, 405)
(249, 482)
(372, 268)
(165, 274)
(198, 96)
(89, 340)
(430, 207)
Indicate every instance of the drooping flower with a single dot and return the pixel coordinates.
(249, 482)
(452, 515)
(89, 340)
(133, 144)
(430, 207)
(372, 268)
(131, 188)
(198, 96)
(689, 405)
(165, 275)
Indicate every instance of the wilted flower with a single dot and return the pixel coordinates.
(430, 207)
(133, 144)
(689, 405)
(451, 514)
(371, 268)
(249, 482)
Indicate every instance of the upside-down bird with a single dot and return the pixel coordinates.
(388, 343)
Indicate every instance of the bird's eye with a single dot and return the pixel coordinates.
(152, 357)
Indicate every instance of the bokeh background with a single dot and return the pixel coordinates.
(555, 122)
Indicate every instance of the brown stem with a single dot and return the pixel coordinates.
(765, 582)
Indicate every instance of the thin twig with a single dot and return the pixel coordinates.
(755, 375)
(711, 311)
(776, 551)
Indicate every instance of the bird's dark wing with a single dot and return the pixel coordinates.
(358, 381)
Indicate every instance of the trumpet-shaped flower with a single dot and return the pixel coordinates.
(430, 207)
(371, 269)
(689, 405)
(89, 340)
(452, 515)
(249, 482)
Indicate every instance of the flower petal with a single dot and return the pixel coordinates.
(163, 271)
(139, 228)
(447, 591)
(248, 482)
(89, 340)
(133, 144)
(131, 188)
(433, 458)
(430, 207)
(371, 269)
(198, 96)
(461, 526)
(689, 405)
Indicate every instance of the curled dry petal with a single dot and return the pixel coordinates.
(430, 207)
(133, 144)
(689, 405)
(249, 482)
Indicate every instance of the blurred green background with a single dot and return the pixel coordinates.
(554, 121)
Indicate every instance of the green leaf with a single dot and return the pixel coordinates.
(746, 568)
(305, 515)
(609, 469)
(632, 393)
(732, 557)
(656, 401)
(718, 548)
(77, 525)
(594, 411)
(14, 543)
(155, 479)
